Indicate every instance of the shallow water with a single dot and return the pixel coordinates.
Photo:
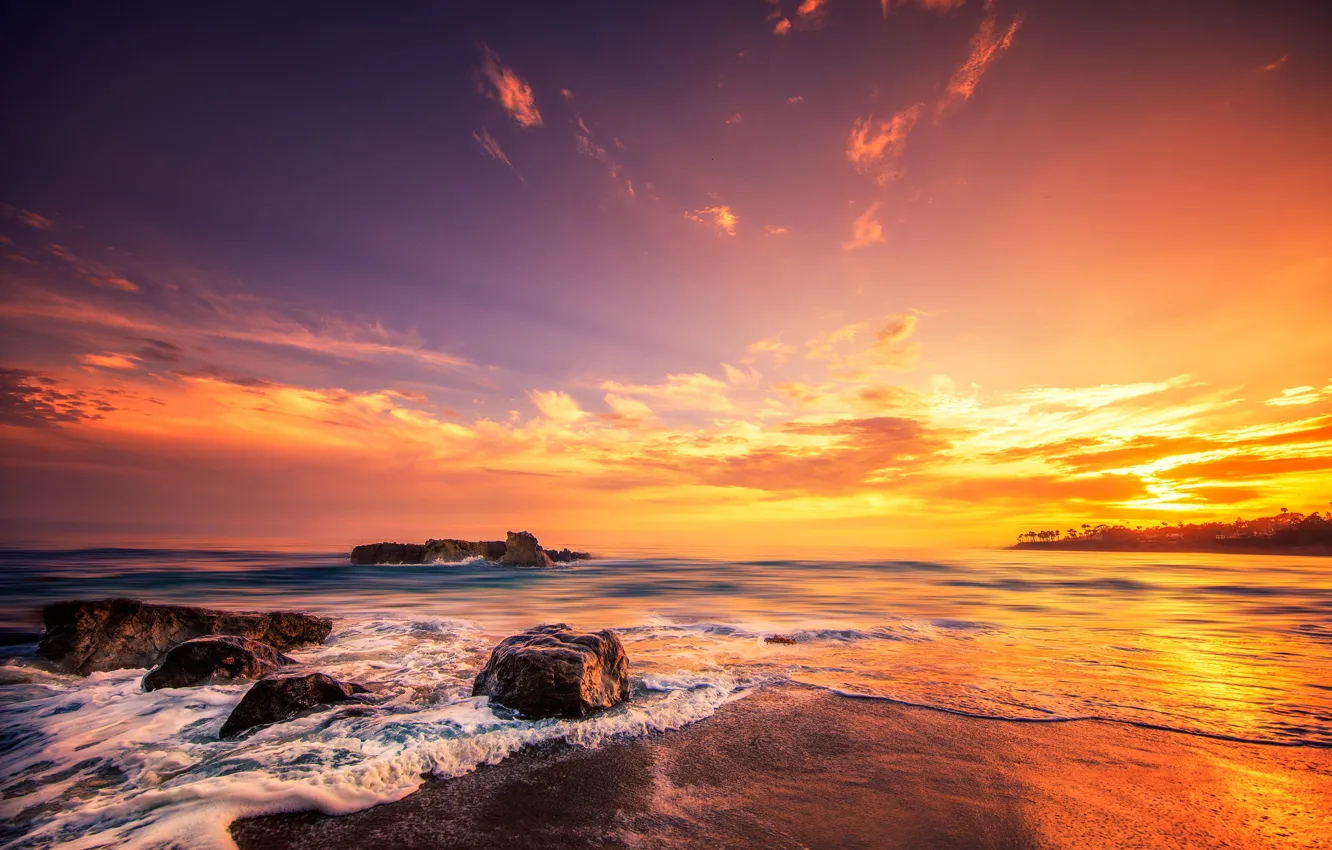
(1229, 646)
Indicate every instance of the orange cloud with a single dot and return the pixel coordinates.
(493, 149)
(866, 229)
(719, 217)
(509, 90)
(987, 45)
(111, 361)
(94, 273)
(876, 148)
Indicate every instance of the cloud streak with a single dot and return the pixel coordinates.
(494, 151)
(987, 45)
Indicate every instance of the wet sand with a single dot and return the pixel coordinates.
(792, 767)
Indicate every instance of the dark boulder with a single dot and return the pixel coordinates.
(85, 636)
(553, 671)
(213, 659)
(522, 550)
(282, 697)
(780, 639)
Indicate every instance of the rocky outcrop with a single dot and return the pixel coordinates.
(85, 636)
(282, 697)
(565, 556)
(213, 659)
(553, 671)
(520, 549)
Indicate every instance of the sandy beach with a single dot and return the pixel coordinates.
(799, 767)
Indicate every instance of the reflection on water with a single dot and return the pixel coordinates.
(1225, 646)
(1230, 645)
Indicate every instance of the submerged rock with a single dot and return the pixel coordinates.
(282, 697)
(553, 671)
(212, 659)
(84, 636)
(521, 549)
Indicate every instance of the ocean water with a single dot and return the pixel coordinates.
(1235, 647)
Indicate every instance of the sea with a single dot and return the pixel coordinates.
(1234, 647)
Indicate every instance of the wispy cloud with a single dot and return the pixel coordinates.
(772, 345)
(774, 230)
(987, 45)
(111, 360)
(1277, 65)
(509, 90)
(875, 148)
(1301, 395)
(792, 101)
(493, 149)
(720, 217)
(94, 273)
(866, 229)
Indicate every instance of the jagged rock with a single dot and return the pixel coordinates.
(212, 659)
(278, 698)
(522, 550)
(84, 636)
(448, 550)
(780, 639)
(565, 556)
(552, 671)
(461, 550)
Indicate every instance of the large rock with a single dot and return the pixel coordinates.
(522, 550)
(553, 671)
(213, 659)
(278, 698)
(85, 636)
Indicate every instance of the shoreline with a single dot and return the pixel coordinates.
(1078, 546)
(794, 766)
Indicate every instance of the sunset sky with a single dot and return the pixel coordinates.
(787, 274)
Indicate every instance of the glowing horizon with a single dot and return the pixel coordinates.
(855, 274)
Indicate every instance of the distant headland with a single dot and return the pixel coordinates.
(1284, 533)
(519, 549)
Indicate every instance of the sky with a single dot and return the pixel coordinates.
(765, 275)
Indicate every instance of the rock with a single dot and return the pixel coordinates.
(782, 639)
(448, 550)
(277, 698)
(565, 556)
(84, 636)
(213, 659)
(522, 550)
(552, 671)
(461, 550)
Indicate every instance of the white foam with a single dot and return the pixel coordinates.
(111, 764)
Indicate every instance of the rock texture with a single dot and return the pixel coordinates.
(278, 698)
(553, 671)
(212, 659)
(85, 636)
(564, 556)
(520, 549)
